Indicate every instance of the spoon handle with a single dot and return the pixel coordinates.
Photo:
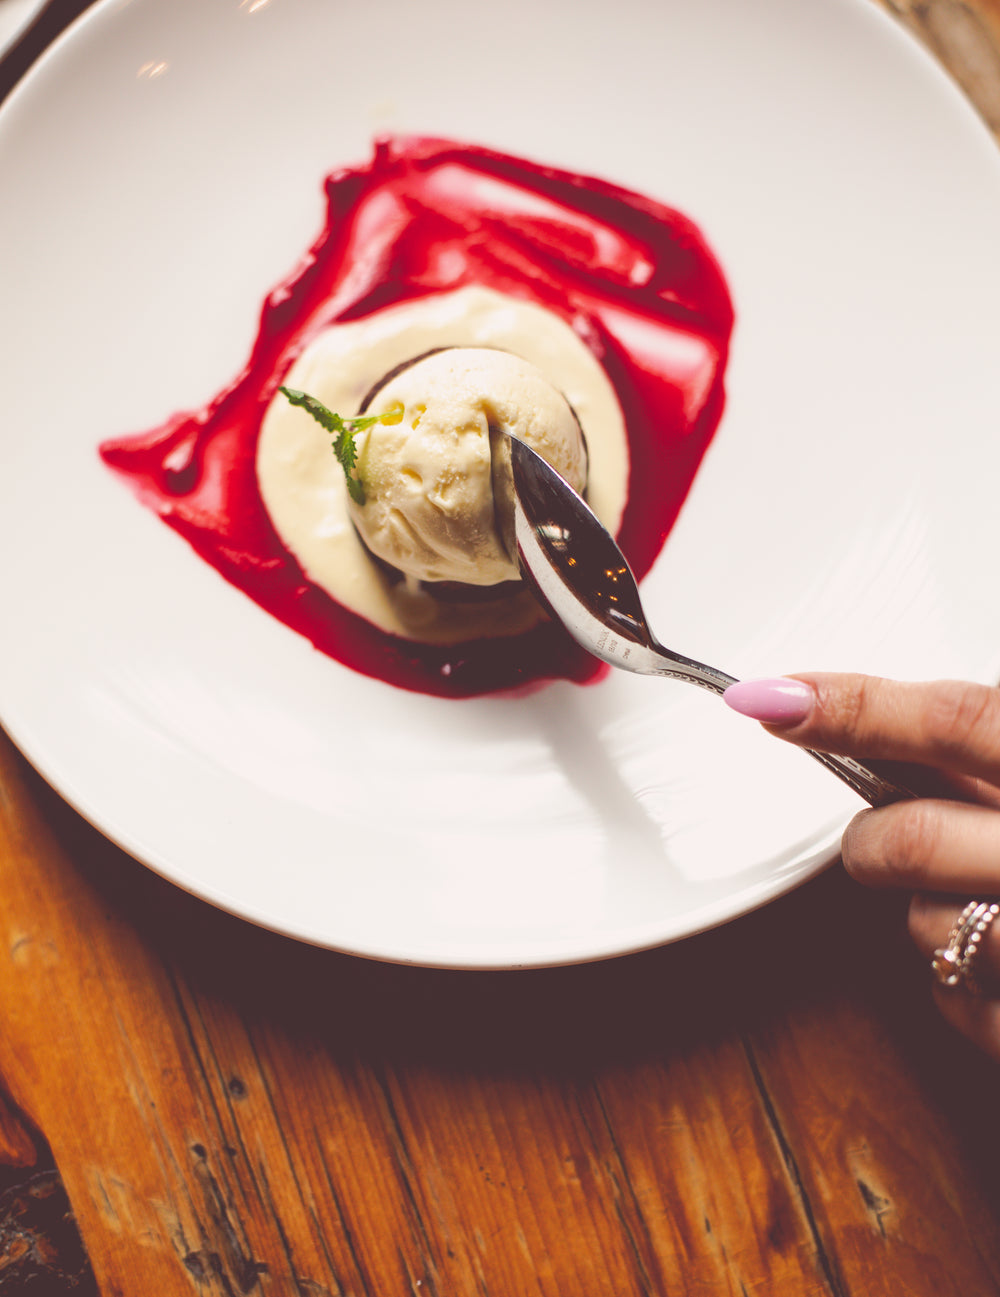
(873, 787)
(876, 789)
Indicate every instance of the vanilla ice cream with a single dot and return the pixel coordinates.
(302, 484)
(428, 507)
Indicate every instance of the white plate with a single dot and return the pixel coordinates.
(16, 16)
(160, 170)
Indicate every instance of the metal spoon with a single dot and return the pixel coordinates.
(581, 575)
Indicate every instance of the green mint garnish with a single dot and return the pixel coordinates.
(343, 431)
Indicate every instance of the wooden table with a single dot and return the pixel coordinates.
(771, 1108)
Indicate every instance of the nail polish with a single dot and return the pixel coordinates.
(774, 702)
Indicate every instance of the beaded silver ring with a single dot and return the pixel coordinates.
(952, 963)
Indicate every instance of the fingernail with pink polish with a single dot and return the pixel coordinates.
(774, 702)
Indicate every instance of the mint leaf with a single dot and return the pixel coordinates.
(343, 431)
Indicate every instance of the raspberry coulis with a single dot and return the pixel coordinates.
(634, 278)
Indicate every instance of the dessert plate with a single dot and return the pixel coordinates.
(160, 171)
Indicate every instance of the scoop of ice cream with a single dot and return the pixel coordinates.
(428, 508)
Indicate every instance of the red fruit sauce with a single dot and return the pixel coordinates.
(634, 278)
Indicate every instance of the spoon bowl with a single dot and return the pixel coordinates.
(581, 576)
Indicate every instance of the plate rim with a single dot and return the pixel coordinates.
(735, 905)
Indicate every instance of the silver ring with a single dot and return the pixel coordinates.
(952, 963)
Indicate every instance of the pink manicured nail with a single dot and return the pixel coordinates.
(775, 702)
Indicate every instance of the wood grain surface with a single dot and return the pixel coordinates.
(774, 1107)
(771, 1108)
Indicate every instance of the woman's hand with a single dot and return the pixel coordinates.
(944, 848)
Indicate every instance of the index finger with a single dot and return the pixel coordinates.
(951, 725)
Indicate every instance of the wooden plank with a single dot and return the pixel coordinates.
(872, 1106)
(890, 1114)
